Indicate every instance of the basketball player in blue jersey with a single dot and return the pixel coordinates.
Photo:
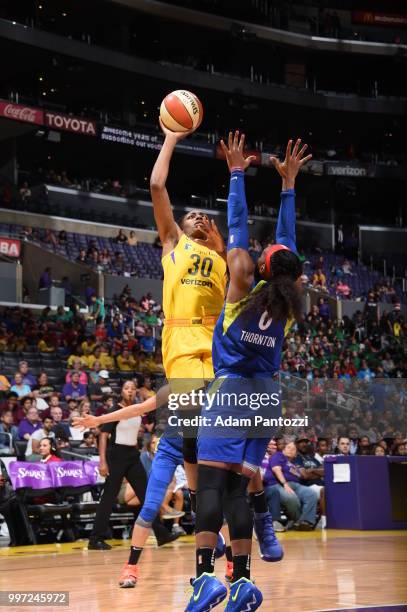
(247, 345)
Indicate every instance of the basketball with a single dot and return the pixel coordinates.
(181, 111)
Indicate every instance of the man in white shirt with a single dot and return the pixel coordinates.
(31, 453)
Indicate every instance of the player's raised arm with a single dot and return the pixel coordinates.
(288, 170)
(127, 412)
(240, 264)
(168, 229)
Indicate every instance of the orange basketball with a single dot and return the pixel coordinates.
(181, 111)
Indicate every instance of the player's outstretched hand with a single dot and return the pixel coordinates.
(175, 136)
(213, 240)
(234, 152)
(294, 159)
(87, 421)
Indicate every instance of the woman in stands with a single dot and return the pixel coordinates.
(48, 450)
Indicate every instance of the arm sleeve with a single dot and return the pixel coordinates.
(237, 213)
(285, 233)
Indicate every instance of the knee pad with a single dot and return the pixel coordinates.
(189, 450)
(211, 484)
(237, 510)
(147, 514)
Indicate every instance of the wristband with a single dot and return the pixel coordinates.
(236, 169)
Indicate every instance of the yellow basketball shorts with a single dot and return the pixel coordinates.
(187, 352)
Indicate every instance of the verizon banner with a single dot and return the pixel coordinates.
(19, 112)
(57, 121)
(10, 247)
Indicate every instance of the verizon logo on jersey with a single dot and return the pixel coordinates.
(260, 339)
(196, 282)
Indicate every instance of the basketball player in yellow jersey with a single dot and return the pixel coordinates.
(194, 263)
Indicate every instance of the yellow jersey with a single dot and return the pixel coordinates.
(194, 281)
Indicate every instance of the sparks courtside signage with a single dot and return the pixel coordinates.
(79, 125)
(10, 247)
(19, 112)
(53, 475)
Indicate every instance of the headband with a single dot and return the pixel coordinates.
(269, 254)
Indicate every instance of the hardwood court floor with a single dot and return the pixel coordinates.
(320, 571)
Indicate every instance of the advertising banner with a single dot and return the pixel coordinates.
(19, 112)
(10, 247)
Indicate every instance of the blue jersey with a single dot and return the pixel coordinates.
(247, 343)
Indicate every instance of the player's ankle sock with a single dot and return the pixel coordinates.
(135, 553)
(259, 502)
(241, 567)
(229, 556)
(192, 497)
(205, 561)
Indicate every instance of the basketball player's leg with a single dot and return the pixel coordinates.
(270, 548)
(162, 472)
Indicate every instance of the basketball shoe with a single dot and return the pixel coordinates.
(128, 577)
(244, 595)
(207, 592)
(270, 548)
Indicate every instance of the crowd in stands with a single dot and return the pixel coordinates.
(293, 474)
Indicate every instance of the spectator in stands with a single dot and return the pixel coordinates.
(121, 237)
(77, 367)
(29, 424)
(97, 309)
(7, 427)
(74, 388)
(400, 449)
(347, 268)
(88, 345)
(50, 238)
(343, 290)
(47, 343)
(32, 450)
(48, 450)
(300, 502)
(45, 281)
(364, 446)
(378, 451)
(148, 342)
(106, 406)
(84, 407)
(28, 378)
(62, 237)
(343, 447)
(59, 424)
(4, 383)
(106, 359)
(324, 310)
(132, 240)
(73, 432)
(19, 387)
(319, 279)
(100, 388)
(126, 362)
(353, 436)
(89, 440)
(25, 192)
(11, 403)
(43, 389)
(82, 258)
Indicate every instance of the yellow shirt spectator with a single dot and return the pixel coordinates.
(88, 346)
(126, 362)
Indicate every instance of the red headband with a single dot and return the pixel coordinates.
(270, 252)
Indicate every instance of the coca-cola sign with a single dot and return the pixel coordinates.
(19, 112)
(70, 124)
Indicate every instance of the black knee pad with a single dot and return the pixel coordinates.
(211, 484)
(236, 506)
(189, 450)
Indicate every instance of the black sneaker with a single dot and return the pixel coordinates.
(98, 545)
(167, 538)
